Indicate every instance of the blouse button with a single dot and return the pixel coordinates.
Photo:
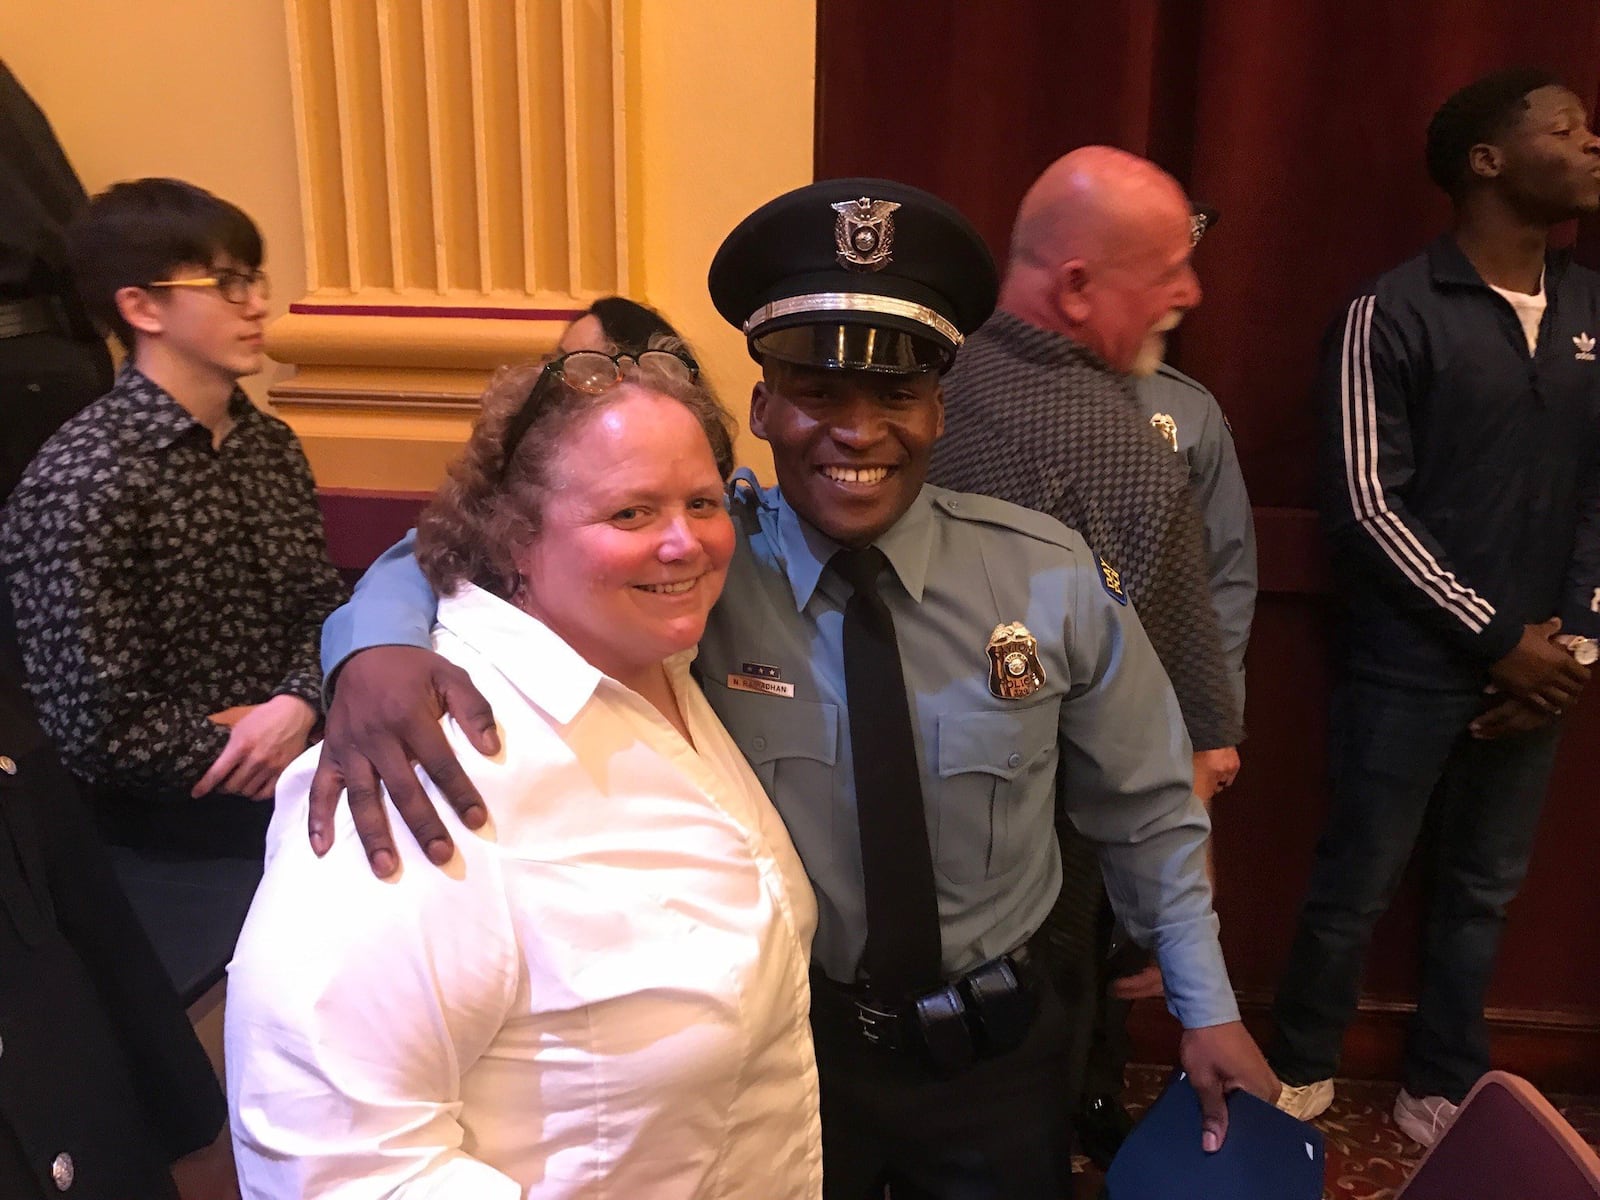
(759, 743)
(61, 1171)
(1015, 760)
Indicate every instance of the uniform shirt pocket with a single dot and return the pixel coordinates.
(991, 802)
(792, 746)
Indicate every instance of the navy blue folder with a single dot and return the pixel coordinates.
(1268, 1155)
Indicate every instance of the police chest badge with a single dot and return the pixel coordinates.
(1166, 427)
(1014, 670)
(863, 233)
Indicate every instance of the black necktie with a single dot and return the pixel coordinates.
(902, 953)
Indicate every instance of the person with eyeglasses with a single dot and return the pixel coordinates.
(164, 550)
(606, 993)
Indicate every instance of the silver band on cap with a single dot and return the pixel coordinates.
(886, 306)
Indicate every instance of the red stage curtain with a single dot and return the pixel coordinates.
(1303, 122)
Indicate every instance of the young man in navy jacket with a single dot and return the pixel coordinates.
(1460, 398)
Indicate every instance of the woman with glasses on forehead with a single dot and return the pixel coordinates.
(605, 993)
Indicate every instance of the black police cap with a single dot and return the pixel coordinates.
(865, 274)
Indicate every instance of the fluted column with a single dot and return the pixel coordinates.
(464, 192)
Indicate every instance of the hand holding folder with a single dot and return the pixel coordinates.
(1268, 1155)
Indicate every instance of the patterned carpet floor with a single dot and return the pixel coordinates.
(1368, 1157)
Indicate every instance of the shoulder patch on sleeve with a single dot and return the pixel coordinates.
(986, 510)
(1111, 580)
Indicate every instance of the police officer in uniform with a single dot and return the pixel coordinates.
(1186, 415)
(918, 678)
(104, 1090)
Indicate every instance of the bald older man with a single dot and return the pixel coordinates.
(1041, 411)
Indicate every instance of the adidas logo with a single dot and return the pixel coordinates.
(1585, 345)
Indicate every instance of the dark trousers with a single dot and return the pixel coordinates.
(1405, 771)
(1105, 1065)
(174, 825)
(1072, 948)
(997, 1131)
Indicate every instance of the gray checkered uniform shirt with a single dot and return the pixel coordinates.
(1035, 418)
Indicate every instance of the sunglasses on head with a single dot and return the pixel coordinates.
(591, 372)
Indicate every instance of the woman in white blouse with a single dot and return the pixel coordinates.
(605, 994)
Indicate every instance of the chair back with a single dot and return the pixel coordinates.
(1506, 1143)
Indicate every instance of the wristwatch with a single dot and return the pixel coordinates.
(1585, 651)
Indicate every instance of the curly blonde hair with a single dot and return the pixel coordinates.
(489, 509)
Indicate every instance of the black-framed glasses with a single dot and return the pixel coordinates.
(591, 372)
(234, 286)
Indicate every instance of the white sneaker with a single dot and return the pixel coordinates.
(1308, 1102)
(1423, 1119)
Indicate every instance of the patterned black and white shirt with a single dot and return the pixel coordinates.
(1037, 419)
(157, 580)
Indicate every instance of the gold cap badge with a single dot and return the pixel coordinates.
(1014, 670)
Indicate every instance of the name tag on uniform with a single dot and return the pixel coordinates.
(762, 679)
(766, 687)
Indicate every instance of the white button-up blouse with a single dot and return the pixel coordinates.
(604, 994)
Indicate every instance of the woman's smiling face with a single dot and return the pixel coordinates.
(634, 538)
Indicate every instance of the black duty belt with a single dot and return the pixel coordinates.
(984, 1013)
(34, 315)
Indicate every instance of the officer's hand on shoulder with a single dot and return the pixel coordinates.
(384, 716)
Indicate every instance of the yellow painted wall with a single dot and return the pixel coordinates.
(721, 103)
(726, 124)
(197, 89)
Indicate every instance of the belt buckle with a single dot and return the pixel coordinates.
(879, 1027)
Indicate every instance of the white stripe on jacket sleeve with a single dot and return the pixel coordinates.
(1359, 413)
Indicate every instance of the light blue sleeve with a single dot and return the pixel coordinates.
(1126, 776)
(1230, 534)
(393, 605)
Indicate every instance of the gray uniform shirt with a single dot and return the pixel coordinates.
(1173, 401)
(1103, 730)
